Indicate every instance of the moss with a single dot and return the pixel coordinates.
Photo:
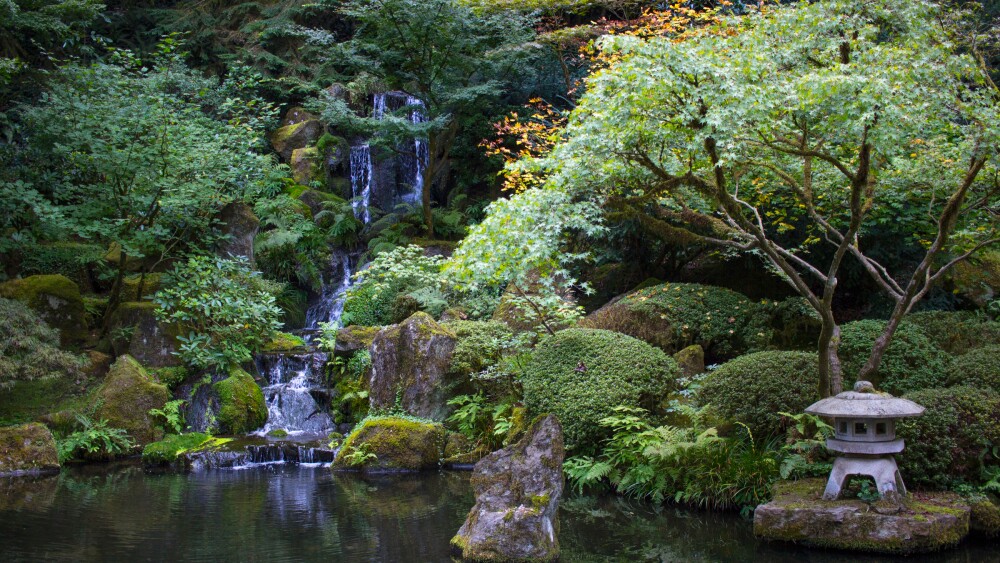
(29, 447)
(283, 342)
(150, 284)
(56, 299)
(241, 404)
(356, 337)
(580, 375)
(399, 443)
(113, 255)
(170, 376)
(691, 360)
(673, 316)
(166, 451)
(480, 345)
(985, 517)
(753, 389)
(539, 502)
(308, 166)
(519, 423)
(127, 396)
(278, 433)
(978, 278)
(295, 190)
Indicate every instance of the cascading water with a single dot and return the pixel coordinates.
(420, 153)
(362, 175)
(296, 400)
(330, 305)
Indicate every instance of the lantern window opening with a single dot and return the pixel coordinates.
(881, 428)
(860, 428)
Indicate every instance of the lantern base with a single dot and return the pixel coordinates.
(883, 470)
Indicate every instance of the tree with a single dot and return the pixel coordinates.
(455, 61)
(795, 133)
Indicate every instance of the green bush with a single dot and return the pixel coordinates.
(227, 310)
(979, 368)
(29, 348)
(368, 305)
(952, 439)
(480, 345)
(911, 361)
(753, 389)
(957, 332)
(580, 375)
(673, 316)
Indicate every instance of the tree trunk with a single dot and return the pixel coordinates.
(831, 380)
(116, 292)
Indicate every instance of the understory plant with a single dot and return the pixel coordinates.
(94, 440)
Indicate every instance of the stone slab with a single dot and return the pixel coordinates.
(928, 521)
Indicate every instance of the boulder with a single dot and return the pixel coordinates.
(241, 404)
(461, 452)
(308, 166)
(985, 517)
(27, 449)
(126, 397)
(131, 290)
(928, 521)
(691, 360)
(241, 225)
(380, 444)
(56, 299)
(410, 366)
(352, 338)
(135, 331)
(515, 517)
(295, 136)
(296, 114)
(515, 317)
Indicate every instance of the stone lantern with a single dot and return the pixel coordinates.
(864, 423)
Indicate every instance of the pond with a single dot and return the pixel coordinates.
(300, 513)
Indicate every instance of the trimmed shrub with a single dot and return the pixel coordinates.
(980, 368)
(673, 316)
(957, 332)
(911, 361)
(948, 443)
(753, 389)
(580, 375)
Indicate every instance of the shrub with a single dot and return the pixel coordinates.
(957, 332)
(952, 439)
(673, 316)
(29, 348)
(405, 270)
(753, 389)
(480, 345)
(911, 361)
(367, 305)
(227, 310)
(580, 375)
(979, 368)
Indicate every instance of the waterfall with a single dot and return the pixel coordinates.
(336, 282)
(362, 174)
(420, 154)
(294, 387)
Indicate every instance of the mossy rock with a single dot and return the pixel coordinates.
(985, 516)
(691, 360)
(308, 166)
(127, 396)
(75, 260)
(317, 201)
(673, 316)
(240, 225)
(352, 338)
(398, 444)
(283, 342)
(56, 299)
(28, 448)
(241, 404)
(135, 330)
(114, 254)
(165, 451)
(461, 451)
(171, 376)
(295, 136)
(150, 284)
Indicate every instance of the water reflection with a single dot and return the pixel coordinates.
(291, 513)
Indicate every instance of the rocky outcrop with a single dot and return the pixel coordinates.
(517, 500)
(127, 396)
(929, 521)
(307, 166)
(691, 360)
(135, 331)
(380, 444)
(56, 299)
(295, 136)
(352, 338)
(410, 365)
(27, 449)
(241, 404)
(240, 224)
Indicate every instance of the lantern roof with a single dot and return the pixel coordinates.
(865, 402)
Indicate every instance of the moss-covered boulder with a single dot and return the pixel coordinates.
(581, 375)
(295, 136)
(352, 338)
(928, 522)
(518, 488)
(307, 166)
(911, 361)
(691, 360)
(520, 318)
(114, 254)
(135, 331)
(240, 226)
(241, 404)
(284, 342)
(28, 448)
(673, 316)
(389, 443)
(56, 299)
(460, 452)
(139, 287)
(165, 451)
(127, 396)
(985, 519)
(410, 368)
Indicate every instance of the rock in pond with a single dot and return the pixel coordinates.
(410, 365)
(928, 521)
(388, 443)
(241, 404)
(517, 499)
(27, 449)
(126, 397)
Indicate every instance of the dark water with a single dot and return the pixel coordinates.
(292, 513)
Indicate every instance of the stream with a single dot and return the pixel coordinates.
(288, 512)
